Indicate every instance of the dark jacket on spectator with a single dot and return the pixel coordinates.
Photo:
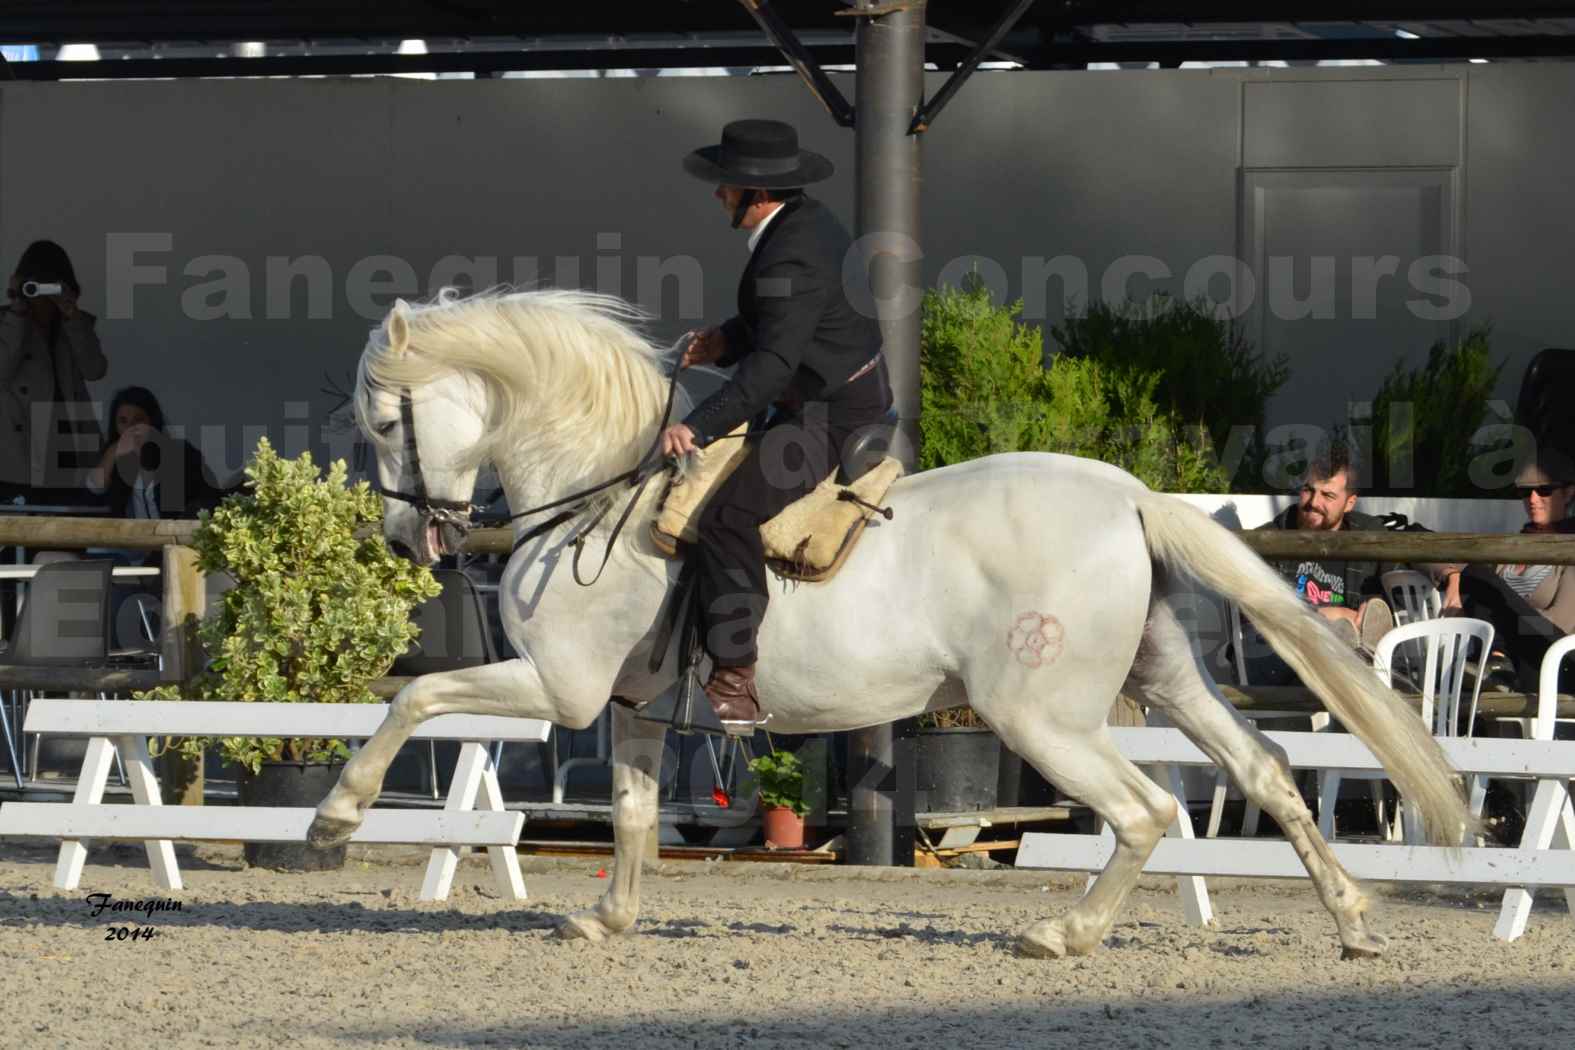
(184, 483)
(1342, 583)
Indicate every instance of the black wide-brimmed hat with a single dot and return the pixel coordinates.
(758, 154)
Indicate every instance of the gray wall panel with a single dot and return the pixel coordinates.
(1118, 171)
(1520, 216)
(1351, 123)
(1090, 175)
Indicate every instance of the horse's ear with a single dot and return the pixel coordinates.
(398, 326)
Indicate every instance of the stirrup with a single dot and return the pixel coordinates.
(743, 729)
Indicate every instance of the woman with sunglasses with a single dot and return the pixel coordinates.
(1529, 606)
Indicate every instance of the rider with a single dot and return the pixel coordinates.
(802, 349)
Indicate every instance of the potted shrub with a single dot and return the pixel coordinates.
(320, 608)
(779, 780)
(957, 762)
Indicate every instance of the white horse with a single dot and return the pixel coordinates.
(1033, 587)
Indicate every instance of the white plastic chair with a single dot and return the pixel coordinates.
(1550, 820)
(1412, 596)
(1542, 727)
(1447, 658)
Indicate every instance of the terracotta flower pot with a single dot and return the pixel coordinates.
(784, 829)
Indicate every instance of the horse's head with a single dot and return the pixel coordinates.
(425, 424)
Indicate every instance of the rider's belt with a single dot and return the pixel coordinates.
(792, 403)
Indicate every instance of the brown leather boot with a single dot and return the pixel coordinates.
(731, 691)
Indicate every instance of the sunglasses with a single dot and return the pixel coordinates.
(1545, 491)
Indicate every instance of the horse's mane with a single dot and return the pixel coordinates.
(575, 388)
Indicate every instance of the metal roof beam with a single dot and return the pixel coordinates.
(479, 62)
(931, 109)
(1388, 49)
(820, 85)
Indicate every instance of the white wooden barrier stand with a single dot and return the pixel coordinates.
(1545, 856)
(125, 725)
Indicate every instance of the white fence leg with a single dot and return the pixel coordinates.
(90, 792)
(505, 859)
(1550, 825)
(145, 792)
(473, 776)
(1192, 889)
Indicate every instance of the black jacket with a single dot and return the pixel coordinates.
(185, 485)
(796, 336)
(1343, 583)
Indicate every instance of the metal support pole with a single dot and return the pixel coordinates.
(890, 89)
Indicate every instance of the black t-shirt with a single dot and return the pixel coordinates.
(1340, 583)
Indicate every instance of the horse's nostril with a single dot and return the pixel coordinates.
(402, 549)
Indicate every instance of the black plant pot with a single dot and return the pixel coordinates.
(296, 785)
(1020, 783)
(956, 769)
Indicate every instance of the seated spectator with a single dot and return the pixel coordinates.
(1346, 594)
(1529, 606)
(143, 472)
(48, 350)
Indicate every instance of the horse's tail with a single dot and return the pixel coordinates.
(1182, 537)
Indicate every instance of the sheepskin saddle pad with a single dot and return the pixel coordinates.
(808, 541)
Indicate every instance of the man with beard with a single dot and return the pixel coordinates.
(1347, 594)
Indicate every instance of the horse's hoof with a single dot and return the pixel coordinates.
(328, 832)
(1371, 947)
(1043, 941)
(583, 927)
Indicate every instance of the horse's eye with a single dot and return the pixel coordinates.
(384, 428)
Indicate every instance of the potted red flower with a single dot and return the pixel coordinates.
(779, 780)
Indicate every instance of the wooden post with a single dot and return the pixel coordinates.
(185, 599)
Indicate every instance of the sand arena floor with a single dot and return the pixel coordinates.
(758, 955)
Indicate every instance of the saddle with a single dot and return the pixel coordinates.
(814, 535)
(808, 541)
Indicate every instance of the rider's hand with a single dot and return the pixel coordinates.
(678, 440)
(705, 347)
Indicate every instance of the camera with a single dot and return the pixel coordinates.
(34, 289)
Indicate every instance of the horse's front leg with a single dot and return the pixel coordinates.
(512, 688)
(637, 774)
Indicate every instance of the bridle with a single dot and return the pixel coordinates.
(453, 513)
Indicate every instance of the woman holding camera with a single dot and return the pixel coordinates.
(143, 472)
(48, 352)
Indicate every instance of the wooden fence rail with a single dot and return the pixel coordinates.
(77, 532)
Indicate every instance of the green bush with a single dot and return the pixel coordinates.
(320, 608)
(1207, 377)
(1207, 374)
(985, 389)
(1425, 420)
